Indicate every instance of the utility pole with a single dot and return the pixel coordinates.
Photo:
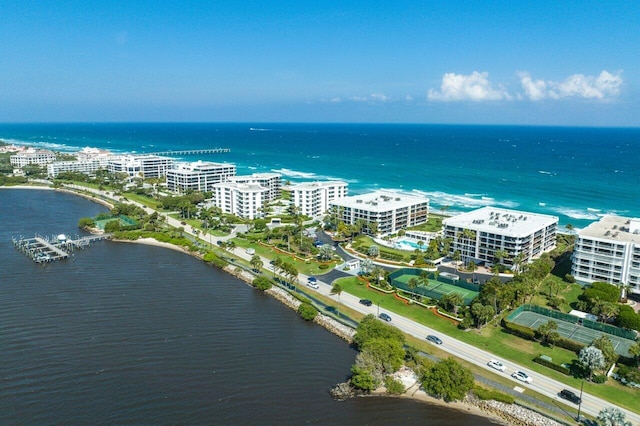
(580, 405)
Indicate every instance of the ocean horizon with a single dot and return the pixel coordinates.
(576, 173)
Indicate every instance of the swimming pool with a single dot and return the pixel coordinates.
(408, 245)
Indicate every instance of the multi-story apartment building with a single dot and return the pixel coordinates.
(88, 167)
(479, 234)
(391, 211)
(40, 157)
(198, 176)
(609, 251)
(145, 166)
(313, 198)
(271, 181)
(243, 200)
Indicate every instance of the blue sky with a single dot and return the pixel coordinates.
(467, 62)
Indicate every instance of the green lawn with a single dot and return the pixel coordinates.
(492, 338)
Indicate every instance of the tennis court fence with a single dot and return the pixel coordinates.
(594, 325)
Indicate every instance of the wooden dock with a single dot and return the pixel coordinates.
(49, 249)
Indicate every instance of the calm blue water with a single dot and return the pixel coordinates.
(132, 334)
(577, 174)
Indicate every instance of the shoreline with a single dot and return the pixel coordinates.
(334, 327)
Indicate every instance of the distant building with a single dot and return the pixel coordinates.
(88, 167)
(243, 200)
(609, 251)
(145, 166)
(390, 211)
(313, 198)
(479, 234)
(271, 181)
(198, 176)
(40, 157)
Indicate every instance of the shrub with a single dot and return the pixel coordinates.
(323, 266)
(519, 330)
(393, 386)
(307, 312)
(570, 278)
(214, 260)
(492, 394)
(262, 283)
(599, 378)
(569, 344)
(560, 368)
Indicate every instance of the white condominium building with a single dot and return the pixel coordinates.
(145, 166)
(479, 234)
(88, 167)
(243, 200)
(313, 198)
(40, 157)
(198, 176)
(272, 181)
(609, 251)
(391, 211)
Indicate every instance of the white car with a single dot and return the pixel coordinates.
(497, 365)
(522, 376)
(313, 285)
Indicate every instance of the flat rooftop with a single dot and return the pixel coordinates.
(317, 184)
(501, 221)
(380, 201)
(614, 228)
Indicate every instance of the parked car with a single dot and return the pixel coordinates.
(312, 279)
(385, 317)
(366, 302)
(497, 365)
(570, 396)
(434, 339)
(522, 376)
(313, 285)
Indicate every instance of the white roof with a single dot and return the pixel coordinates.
(614, 228)
(304, 186)
(380, 201)
(501, 221)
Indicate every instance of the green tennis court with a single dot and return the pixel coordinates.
(434, 289)
(572, 331)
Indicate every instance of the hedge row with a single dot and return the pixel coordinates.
(492, 394)
(531, 334)
(560, 368)
(519, 330)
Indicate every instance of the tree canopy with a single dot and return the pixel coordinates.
(448, 380)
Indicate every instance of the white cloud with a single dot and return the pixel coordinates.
(380, 97)
(602, 87)
(474, 87)
(336, 100)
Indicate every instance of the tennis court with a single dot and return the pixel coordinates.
(435, 289)
(569, 330)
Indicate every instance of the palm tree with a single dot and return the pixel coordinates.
(231, 245)
(500, 255)
(256, 262)
(518, 260)
(377, 273)
(412, 283)
(423, 278)
(337, 289)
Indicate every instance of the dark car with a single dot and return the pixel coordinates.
(570, 396)
(366, 302)
(434, 339)
(385, 317)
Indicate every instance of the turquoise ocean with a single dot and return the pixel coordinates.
(577, 174)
